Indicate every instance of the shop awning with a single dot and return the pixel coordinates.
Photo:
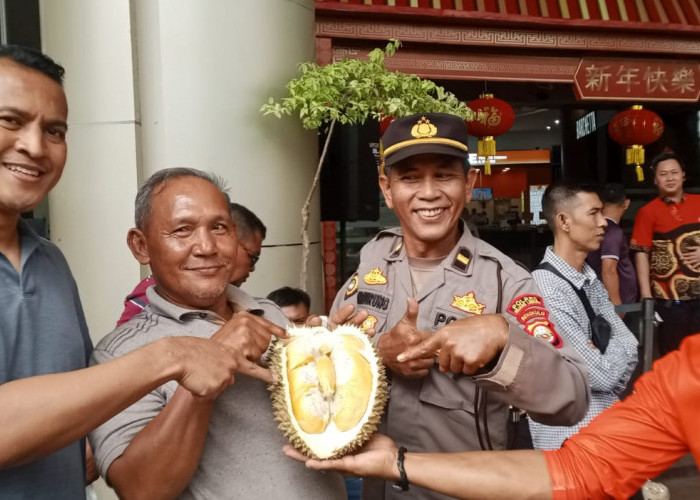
(641, 14)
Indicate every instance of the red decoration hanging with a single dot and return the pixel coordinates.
(384, 123)
(636, 128)
(492, 117)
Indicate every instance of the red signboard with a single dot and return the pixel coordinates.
(637, 80)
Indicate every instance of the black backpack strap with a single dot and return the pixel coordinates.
(546, 266)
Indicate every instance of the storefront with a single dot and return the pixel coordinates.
(566, 66)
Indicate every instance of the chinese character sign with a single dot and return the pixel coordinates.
(610, 79)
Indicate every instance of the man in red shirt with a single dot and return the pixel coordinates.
(666, 238)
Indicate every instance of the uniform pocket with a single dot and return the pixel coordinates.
(448, 405)
(444, 390)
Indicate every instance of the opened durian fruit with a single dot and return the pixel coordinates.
(330, 390)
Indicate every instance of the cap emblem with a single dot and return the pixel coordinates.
(424, 129)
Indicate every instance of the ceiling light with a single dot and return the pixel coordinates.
(556, 122)
(548, 127)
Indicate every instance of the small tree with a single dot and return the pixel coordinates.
(350, 92)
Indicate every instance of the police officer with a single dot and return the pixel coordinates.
(432, 277)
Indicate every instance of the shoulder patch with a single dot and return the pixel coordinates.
(522, 302)
(352, 286)
(533, 313)
(544, 329)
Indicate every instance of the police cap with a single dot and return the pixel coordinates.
(438, 133)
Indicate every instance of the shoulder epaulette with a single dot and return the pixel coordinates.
(462, 259)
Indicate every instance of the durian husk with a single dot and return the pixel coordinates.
(282, 404)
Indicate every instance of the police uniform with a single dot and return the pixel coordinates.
(447, 412)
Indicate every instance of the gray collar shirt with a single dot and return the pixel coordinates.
(242, 456)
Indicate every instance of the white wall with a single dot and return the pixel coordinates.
(203, 75)
(91, 208)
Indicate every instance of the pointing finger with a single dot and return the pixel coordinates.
(254, 370)
(422, 350)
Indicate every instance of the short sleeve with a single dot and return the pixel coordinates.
(643, 232)
(612, 244)
(110, 440)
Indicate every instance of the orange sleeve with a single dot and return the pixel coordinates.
(631, 441)
(643, 232)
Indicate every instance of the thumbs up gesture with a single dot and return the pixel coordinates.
(402, 336)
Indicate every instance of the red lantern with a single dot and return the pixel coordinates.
(635, 128)
(384, 123)
(493, 117)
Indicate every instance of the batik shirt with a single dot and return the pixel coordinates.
(665, 230)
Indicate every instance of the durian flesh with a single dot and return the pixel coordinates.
(330, 390)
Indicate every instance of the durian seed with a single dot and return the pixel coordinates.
(326, 376)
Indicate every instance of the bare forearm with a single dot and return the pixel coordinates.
(475, 475)
(611, 280)
(160, 461)
(45, 413)
(641, 260)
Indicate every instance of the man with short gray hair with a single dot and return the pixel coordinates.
(170, 444)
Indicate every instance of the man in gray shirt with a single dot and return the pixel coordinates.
(170, 443)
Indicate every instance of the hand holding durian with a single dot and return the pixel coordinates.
(346, 315)
(377, 458)
(247, 337)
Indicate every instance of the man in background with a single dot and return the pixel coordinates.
(612, 262)
(251, 233)
(666, 237)
(294, 302)
(578, 303)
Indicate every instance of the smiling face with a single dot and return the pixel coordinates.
(583, 222)
(669, 177)
(190, 243)
(33, 114)
(428, 193)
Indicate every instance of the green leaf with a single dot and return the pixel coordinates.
(353, 90)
